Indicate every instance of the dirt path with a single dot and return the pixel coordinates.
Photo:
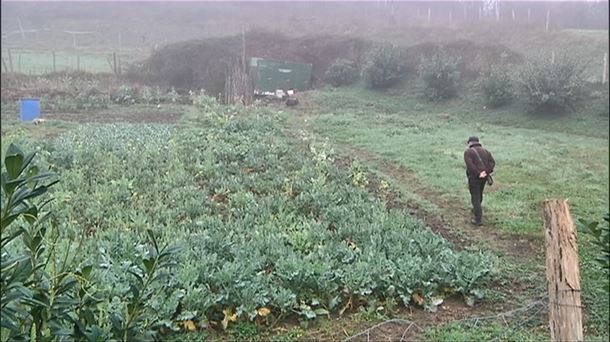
(452, 221)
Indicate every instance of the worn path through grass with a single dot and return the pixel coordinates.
(417, 148)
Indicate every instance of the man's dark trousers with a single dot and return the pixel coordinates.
(476, 186)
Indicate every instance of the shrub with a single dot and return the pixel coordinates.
(551, 87)
(125, 95)
(203, 100)
(150, 95)
(91, 99)
(600, 233)
(172, 96)
(341, 72)
(384, 68)
(497, 87)
(440, 74)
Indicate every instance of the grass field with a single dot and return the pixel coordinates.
(537, 158)
(37, 62)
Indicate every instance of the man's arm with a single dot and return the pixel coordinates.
(470, 164)
(491, 162)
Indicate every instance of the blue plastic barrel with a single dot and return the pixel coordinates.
(30, 109)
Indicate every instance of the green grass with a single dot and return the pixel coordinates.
(533, 164)
(13, 126)
(494, 331)
(537, 158)
(41, 62)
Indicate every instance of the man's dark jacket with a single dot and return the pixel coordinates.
(474, 166)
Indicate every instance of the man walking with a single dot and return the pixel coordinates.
(479, 166)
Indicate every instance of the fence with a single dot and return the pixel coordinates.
(42, 62)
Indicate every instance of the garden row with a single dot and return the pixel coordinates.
(254, 229)
(83, 91)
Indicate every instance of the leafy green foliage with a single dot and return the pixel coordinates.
(151, 95)
(125, 95)
(131, 318)
(203, 100)
(267, 230)
(497, 87)
(45, 294)
(552, 87)
(600, 233)
(42, 297)
(440, 74)
(384, 68)
(341, 72)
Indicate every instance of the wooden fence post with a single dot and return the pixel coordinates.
(114, 68)
(5, 66)
(605, 72)
(10, 60)
(562, 272)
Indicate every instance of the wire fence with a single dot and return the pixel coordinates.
(37, 62)
(522, 319)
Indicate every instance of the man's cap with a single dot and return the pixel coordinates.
(473, 138)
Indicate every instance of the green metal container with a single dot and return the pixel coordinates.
(270, 75)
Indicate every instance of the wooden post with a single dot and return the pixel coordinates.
(605, 72)
(21, 29)
(6, 69)
(562, 273)
(114, 68)
(243, 48)
(548, 19)
(10, 60)
(54, 65)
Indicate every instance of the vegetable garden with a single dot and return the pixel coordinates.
(220, 220)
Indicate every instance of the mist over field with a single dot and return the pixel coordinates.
(291, 171)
